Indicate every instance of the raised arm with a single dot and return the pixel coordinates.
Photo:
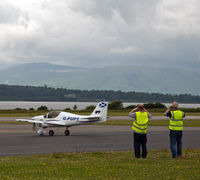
(146, 111)
(168, 109)
(149, 114)
(133, 110)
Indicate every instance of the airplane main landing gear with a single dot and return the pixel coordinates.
(41, 132)
(67, 132)
(51, 133)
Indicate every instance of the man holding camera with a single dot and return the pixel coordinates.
(141, 116)
(176, 127)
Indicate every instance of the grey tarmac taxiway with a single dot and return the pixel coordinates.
(18, 139)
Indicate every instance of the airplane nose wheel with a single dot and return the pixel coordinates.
(67, 132)
(40, 132)
(51, 133)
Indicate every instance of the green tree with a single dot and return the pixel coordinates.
(115, 105)
(75, 107)
(42, 108)
(160, 105)
(154, 105)
(149, 105)
(91, 107)
(130, 107)
(67, 109)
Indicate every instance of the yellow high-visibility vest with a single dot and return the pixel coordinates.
(176, 120)
(140, 124)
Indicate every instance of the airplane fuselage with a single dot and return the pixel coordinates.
(64, 119)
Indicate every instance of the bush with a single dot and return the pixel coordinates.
(31, 109)
(67, 109)
(190, 109)
(130, 107)
(91, 107)
(42, 108)
(19, 109)
(156, 106)
(75, 107)
(159, 105)
(115, 105)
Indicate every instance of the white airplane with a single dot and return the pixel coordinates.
(65, 119)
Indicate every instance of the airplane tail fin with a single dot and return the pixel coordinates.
(101, 110)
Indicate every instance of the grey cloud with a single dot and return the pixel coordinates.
(130, 10)
(12, 15)
(101, 33)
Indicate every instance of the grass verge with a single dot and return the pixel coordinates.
(187, 122)
(102, 165)
(27, 113)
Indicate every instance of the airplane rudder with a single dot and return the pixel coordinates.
(101, 108)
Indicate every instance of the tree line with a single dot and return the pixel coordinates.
(117, 105)
(32, 93)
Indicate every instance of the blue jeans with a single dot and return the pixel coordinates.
(176, 140)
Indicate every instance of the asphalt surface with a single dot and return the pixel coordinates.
(22, 140)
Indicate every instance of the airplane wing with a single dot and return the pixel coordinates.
(52, 122)
(28, 120)
(90, 119)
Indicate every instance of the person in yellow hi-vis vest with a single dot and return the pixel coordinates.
(139, 127)
(176, 128)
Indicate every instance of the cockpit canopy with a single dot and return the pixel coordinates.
(52, 114)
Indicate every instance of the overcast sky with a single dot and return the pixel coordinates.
(100, 33)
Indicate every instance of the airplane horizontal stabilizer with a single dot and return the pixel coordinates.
(89, 119)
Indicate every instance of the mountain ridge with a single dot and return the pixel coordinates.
(124, 78)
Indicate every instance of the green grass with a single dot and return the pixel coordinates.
(187, 123)
(102, 165)
(125, 113)
(29, 113)
(14, 113)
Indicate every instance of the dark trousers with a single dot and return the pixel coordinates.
(176, 143)
(140, 140)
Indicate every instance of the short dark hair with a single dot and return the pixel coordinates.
(141, 106)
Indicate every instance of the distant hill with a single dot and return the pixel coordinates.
(124, 78)
(30, 93)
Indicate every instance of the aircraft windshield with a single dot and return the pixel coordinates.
(52, 114)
